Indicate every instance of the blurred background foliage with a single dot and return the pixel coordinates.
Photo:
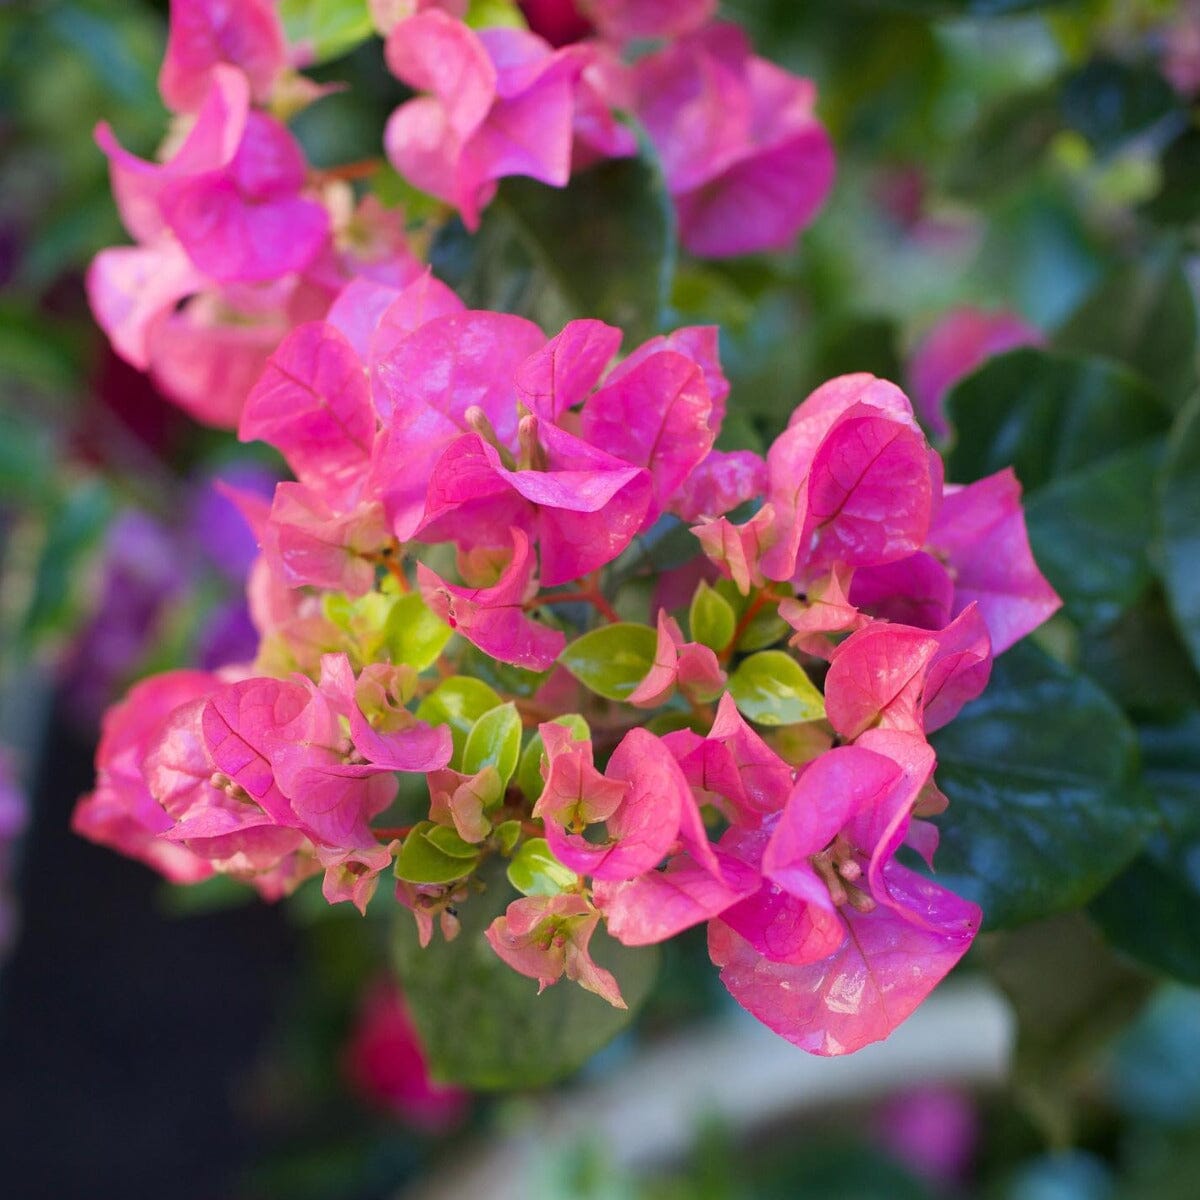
(1042, 158)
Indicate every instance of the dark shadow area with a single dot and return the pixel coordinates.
(127, 1035)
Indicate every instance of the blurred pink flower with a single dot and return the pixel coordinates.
(961, 341)
(384, 1064)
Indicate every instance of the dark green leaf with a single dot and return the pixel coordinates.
(1178, 198)
(1045, 807)
(667, 543)
(1090, 531)
(1180, 514)
(859, 344)
(957, 8)
(1046, 414)
(1152, 914)
(613, 659)
(1141, 660)
(484, 1026)
(1142, 315)
(771, 688)
(1110, 102)
(1152, 910)
(540, 249)
(1007, 144)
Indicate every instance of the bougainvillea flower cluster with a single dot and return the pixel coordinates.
(474, 670)
(239, 239)
(468, 491)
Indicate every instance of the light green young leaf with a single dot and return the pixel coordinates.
(534, 871)
(771, 688)
(495, 741)
(613, 659)
(433, 854)
(458, 702)
(325, 29)
(413, 634)
(711, 618)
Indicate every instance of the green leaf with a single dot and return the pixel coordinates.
(1090, 531)
(1045, 803)
(72, 533)
(484, 1026)
(1178, 198)
(495, 14)
(1141, 659)
(26, 457)
(1109, 101)
(1152, 914)
(771, 688)
(711, 618)
(447, 841)
(539, 249)
(414, 634)
(529, 772)
(1071, 995)
(1143, 315)
(325, 29)
(1045, 414)
(495, 741)
(458, 702)
(763, 629)
(433, 854)
(534, 871)
(1179, 508)
(1007, 144)
(502, 676)
(1152, 910)
(956, 8)
(613, 659)
(507, 835)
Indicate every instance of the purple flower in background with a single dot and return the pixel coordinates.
(14, 816)
(217, 528)
(149, 569)
(139, 576)
(933, 1130)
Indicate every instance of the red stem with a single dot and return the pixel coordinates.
(755, 606)
(388, 833)
(362, 169)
